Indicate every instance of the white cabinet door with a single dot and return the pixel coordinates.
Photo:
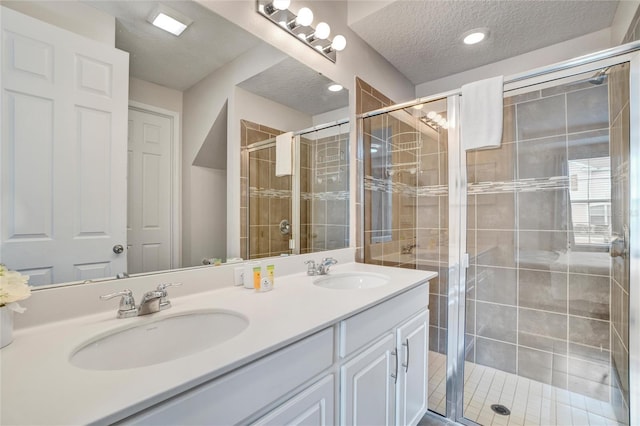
(413, 375)
(311, 407)
(63, 152)
(368, 386)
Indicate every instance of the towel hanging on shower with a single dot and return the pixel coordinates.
(481, 114)
(284, 154)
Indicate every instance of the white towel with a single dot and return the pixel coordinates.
(284, 145)
(481, 115)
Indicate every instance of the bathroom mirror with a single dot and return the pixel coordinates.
(169, 80)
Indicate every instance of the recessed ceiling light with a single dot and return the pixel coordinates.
(475, 36)
(335, 88)
(169, 20)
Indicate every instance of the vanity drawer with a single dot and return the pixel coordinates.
(238, 395)
(358, 330)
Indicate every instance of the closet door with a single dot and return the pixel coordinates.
(64, 148)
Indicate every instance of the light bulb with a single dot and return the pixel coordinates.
(474, 38)
(339, 43)
(335, 88)
(305, 17)
(322, 30)
(431, 115)
(281, 4)
(437, 118)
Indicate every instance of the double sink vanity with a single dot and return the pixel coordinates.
(348, 347)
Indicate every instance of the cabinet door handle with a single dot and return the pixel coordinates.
(406, 365)
(395, 375)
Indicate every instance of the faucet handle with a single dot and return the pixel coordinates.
(164, 303)
(127, 306)
(161, 287)
(329, 261)
(311, 266)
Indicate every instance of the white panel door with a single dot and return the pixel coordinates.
(63, 146)
(311, 407)
(368, 386)
(149, 188)
(413, 377)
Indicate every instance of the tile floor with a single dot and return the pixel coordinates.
(530, 402)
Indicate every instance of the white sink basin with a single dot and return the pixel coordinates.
(352, 280)
(156, 341)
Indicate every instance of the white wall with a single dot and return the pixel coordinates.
(156, 95)
(538, 58)
(202, 104)
(70, 15)
(208, 218)
(622, 20)
(257, 109)
(327, 117)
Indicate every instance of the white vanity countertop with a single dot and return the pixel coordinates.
(40, 386)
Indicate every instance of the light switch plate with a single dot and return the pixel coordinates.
(238, 276)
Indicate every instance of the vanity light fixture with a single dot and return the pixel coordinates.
(435, 120)
(300, 25)
(169, 20)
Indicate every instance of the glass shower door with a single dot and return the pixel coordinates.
(324, 189)
(546, 332)
(406, 212)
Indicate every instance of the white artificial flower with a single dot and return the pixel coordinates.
(13, 286)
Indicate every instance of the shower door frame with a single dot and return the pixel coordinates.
(459, 258)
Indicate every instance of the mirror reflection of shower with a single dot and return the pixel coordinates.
(303, 213)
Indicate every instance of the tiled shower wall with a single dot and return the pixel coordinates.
(538, 301)
(367, 99)
(324, 191)
(419, 206)
(270, 196)
(619, 117)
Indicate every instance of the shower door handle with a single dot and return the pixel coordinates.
(619, 244)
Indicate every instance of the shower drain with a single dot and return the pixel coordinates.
(500, 409)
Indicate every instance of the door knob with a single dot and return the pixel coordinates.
(118, 248)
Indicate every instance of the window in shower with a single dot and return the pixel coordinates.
(590, 193)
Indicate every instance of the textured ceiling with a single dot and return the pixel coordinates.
(422, 39)
(299, 87)
(170, 61)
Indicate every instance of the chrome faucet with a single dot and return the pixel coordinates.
(322, 268)
(152, 301)
(408, 249)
